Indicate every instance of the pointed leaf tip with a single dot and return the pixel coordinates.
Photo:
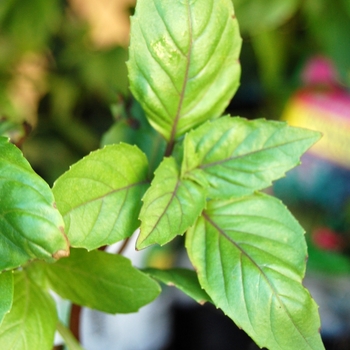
(238, 156)
(250, 255)
(183, 69)
(170, 206)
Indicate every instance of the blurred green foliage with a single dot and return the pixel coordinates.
(285, 33)
(75, 82)
(46, 43)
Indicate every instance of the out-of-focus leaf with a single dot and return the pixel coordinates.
(170, 206)
(6, 293)
(183, 279)
(30, 225)
(255, 16)
(327, 262)
(100, 196)
(29, 23)
(183, 68)
(238, 157)
(102, 281)
(136, 130)
(329, 24)
(31, 324)
(250, 256)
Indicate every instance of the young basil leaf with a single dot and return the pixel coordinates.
(183, 68)
(31, 323)
(6, 293)
(30, 225)
(183, 279)
(101, 281)
(100, 196)
(170, 206)
(250, 256)
(238, 156)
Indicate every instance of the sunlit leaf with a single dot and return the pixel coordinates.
(238, 156)
(100, 196)
(31, 324)
(183, 65)
(6, 293)
(183, 279)
(30, 225)
(170, 206)
(102, 281)
(250, 256)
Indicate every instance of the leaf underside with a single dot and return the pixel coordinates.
(101, 281)
(100, 196)
(30, 228)
(173, 65)
(183, 279)
(250, 256)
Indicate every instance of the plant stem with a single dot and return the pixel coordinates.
(169, 148)
(74, 322)
(68, 337)
(123, 246)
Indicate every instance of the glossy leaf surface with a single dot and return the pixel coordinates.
(170, 206)
(30, 225)
(6, 293)
(31, 324)
(183, 279)
(238, 156)
(101, 281)
(250, 255)
(183, 65)
(100, 196)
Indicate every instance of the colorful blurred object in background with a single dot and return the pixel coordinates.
(318, 191)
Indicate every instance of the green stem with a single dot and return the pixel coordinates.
(169, 148)
(68, 337)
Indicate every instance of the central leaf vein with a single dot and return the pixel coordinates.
(233, 158)
(262, 273)
(184, 84)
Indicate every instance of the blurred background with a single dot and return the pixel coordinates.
(64, 92)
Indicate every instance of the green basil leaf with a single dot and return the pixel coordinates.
(100, 196)
(31, 323)
(238, 156)
(250, 256)
(6, 293)
(170, 206)
(30, 225)
(183, 68)
(101, 281)
(183, 279)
